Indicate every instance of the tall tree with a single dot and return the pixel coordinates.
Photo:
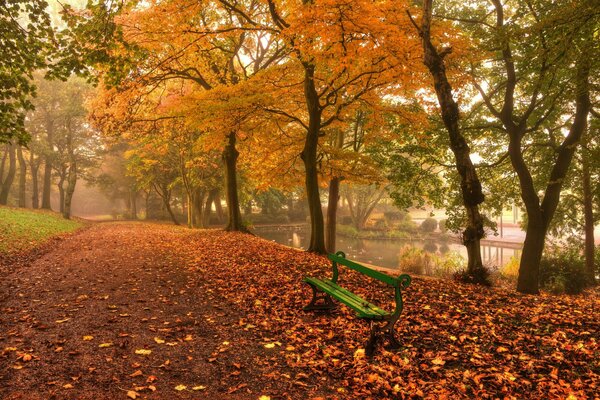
(471, 189)
(24, 45)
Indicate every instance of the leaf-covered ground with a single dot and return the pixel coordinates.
(131, 310)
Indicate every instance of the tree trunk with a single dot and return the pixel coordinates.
(47, 183)
(190, 215)
(10, 175)
(198, 206)
(166, 201)
(332, 206)
(309, 157)
(61, 192)
(210, 199)
(588, 212)
(34, 166)
(219, 208)
(540, 215)
(22, 178)
(133, 204)
(230, 156)
(472, 194)
(71, 182)
(3, 162)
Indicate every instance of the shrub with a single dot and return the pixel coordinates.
(346, 220)
(346, 230)
(398, 235)
(407, 225)
(414, 260)
(442, 226)
(562, 270)
(394, 216)
(381, 224)
(418, 261)
(429, 225)
(511, 268)
(480, 276)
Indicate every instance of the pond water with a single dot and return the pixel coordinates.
(384, 253)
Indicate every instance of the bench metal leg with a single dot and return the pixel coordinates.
(387, 331)
(372, 342)
(326, 304)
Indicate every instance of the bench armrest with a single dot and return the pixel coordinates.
(404, 281)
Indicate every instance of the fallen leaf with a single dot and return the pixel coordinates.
(132, 394)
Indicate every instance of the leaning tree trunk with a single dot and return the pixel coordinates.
(230, 156)
(332, 206)
(22, 178)
(166, 198)
(588, 212)
(472, 194)
(10, 175)
(309, 157)
(71, 182)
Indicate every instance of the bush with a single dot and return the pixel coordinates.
(480, 276)
(420, 262)
(407, 225)
(562, 270)
(511, 268)
(429, 225)
(346, 220)
(381, 224)
(442, 226)
(395, 216)
(346, 230)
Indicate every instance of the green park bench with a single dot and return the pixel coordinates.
(382, 322)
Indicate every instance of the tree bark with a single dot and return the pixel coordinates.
(332, 206)
(22, 178)
(34, 166)
(71, 182)
(219, 208)
(230, 156)
(3, 162)
(48, 170)
(133, 204)
(588, 213)
(309, 157)
(10, 175)
(165, 194)
(198, 206)
(472, 194)
(190, 214)
(61, 192)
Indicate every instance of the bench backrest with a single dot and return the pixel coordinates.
(340, 258)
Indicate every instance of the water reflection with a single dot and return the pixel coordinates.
(384, 253)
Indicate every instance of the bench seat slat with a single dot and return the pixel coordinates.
(358, 304)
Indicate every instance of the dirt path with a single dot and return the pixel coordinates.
(164, 312)
(73, 319)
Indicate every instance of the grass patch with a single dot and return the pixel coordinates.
(22, 229)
